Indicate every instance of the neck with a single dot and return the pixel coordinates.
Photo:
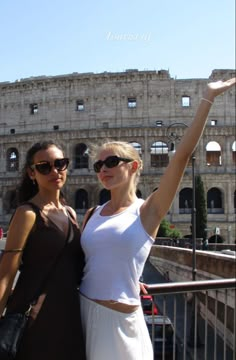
(47, 199)
(118, 202)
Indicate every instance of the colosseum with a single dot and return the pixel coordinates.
(149, 109)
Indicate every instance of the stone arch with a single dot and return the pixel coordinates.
(235, 201)
(138, 194)
(159, 154)
(234, 152)
(81, 201)
(185, 200)
(213, 154)
(214, 201)
(214, 239)
(104, 196)
(81, 159)
(12, 159)
(9, 201)
(137, 146)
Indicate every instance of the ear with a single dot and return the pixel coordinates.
(134, 165)
(30, 173)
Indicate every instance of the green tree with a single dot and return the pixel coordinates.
(165, 230)
(201, 210)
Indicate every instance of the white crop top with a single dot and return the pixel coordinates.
(116, 248)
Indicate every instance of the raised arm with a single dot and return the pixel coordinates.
(159, 202)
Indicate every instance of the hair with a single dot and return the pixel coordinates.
(122, 149)
(28, 188)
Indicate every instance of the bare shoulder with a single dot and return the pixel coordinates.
(20, 226)
(23, 219)
(24, 212)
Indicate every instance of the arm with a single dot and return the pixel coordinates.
(18, 232)
(158, 203)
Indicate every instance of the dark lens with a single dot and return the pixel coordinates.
(111, 161)
(97, 166)
(61, 164)
(43, 168)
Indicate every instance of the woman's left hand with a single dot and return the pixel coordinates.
(218, 87)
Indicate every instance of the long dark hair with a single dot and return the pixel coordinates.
(28, 188)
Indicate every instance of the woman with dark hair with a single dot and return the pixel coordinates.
(43, 242)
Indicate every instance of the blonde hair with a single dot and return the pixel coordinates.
(122, 149)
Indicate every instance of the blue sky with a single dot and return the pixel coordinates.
(188, 38)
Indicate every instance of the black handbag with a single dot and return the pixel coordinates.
(12, 327)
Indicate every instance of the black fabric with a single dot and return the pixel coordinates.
(56, 333)
(12, 327)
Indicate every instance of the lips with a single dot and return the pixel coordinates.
(56, 180)
(105, 177)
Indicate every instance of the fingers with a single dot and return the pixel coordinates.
(143, 288)
(222, 84)
(216, 88)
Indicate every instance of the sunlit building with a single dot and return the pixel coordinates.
(145, 108)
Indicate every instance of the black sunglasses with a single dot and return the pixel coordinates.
(45, 167)
(110, 162)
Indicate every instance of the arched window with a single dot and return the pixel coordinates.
(214, 201)
(185, 201)
(81, 201)
(234, 152)
(213, 154)
(9, 201)
(81, 156)
(104, 196)
(137, 146)
(159, 154)
(12, 160)
(138, 194)
(235, 201)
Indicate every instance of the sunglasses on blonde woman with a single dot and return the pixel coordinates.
(110, 162)
(45, 167)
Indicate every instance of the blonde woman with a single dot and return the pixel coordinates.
(117, 240)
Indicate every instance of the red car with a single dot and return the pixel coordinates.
(148, 305)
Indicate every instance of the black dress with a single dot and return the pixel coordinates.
(56, 333)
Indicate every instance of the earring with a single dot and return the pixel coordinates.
(33, 181)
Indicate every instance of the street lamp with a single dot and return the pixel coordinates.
(174, 138)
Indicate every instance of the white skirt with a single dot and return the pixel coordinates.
(112, 335)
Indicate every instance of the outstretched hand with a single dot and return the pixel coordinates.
(218, 87)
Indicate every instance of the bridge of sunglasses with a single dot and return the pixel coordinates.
(110, 162)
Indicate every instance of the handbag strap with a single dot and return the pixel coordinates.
(90, 213)
(46, 279)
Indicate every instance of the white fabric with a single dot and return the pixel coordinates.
(116, 248)
(112, 335)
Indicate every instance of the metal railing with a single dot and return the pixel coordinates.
(203, 317)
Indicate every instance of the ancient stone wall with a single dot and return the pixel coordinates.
(135, 106)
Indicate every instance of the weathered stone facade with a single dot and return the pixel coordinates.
(142, 107)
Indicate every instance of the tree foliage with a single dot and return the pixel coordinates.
(201, 210)
(165, 230)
